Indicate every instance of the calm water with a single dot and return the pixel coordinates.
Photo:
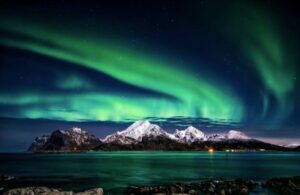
(114, 171)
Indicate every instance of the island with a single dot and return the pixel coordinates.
(143, 135)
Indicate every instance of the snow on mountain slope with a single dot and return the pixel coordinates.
(232, 134)
(139, 129)
(143, 128)
(292, 145)
(189, 135)
(216, 137)
(136, 131)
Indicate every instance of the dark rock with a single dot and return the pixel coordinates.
(192, 192)
(296, 148)
(244, 190)
(95, 191)
(211, 188)
(5, 178)
(221, 187)
(222, 192)
(71, 140)
(45, 190)
(284, 185)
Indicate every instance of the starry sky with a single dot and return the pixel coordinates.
(101, 65)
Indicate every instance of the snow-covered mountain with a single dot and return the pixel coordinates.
(216, 137)
(143, 128)
(136, 132)
(142, 135)
(189, 135)
(233, 134)
(292, 145)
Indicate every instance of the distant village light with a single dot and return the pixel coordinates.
(210, 150)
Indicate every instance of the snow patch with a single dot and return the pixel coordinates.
(77, 130)
(233, 134)
(136, 131)
(143, 128)
(189, 135)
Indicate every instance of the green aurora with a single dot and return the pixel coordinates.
(257, 32)
(250, 27)
(192, 97)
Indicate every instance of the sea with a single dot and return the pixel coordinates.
(115, 171)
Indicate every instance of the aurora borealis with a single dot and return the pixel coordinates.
(271, 53)
(189, 96)
(224, 62)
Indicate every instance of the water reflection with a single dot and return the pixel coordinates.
(116, 170)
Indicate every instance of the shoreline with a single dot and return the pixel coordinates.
(276, 185)
(111, 151)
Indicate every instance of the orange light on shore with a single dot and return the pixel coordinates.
(210, 150)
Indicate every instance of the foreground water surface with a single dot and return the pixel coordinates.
(114, 171)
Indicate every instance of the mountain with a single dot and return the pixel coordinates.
(189, 135)
(216, 137)
(142, 135)
(236, 145)
(38, 143)
(292, 145)
(232, 134)
(74, 139)
(160, 142)
(296, 148)
(135, 133)
(140, 129)
(166, 144)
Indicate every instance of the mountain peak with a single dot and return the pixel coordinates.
(216, 137)
(142, 135)
(65, 140)
(141, 124)
(233, 134)
(76, 130)
(192, 129)
(137, 131)
(143, 128)
(190, 134)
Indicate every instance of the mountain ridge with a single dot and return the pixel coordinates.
(142, 135)
(191, 134)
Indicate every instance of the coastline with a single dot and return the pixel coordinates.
(277, 185)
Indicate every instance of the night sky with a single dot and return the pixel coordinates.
(101, 65)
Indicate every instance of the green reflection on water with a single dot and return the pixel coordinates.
(114, 171)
